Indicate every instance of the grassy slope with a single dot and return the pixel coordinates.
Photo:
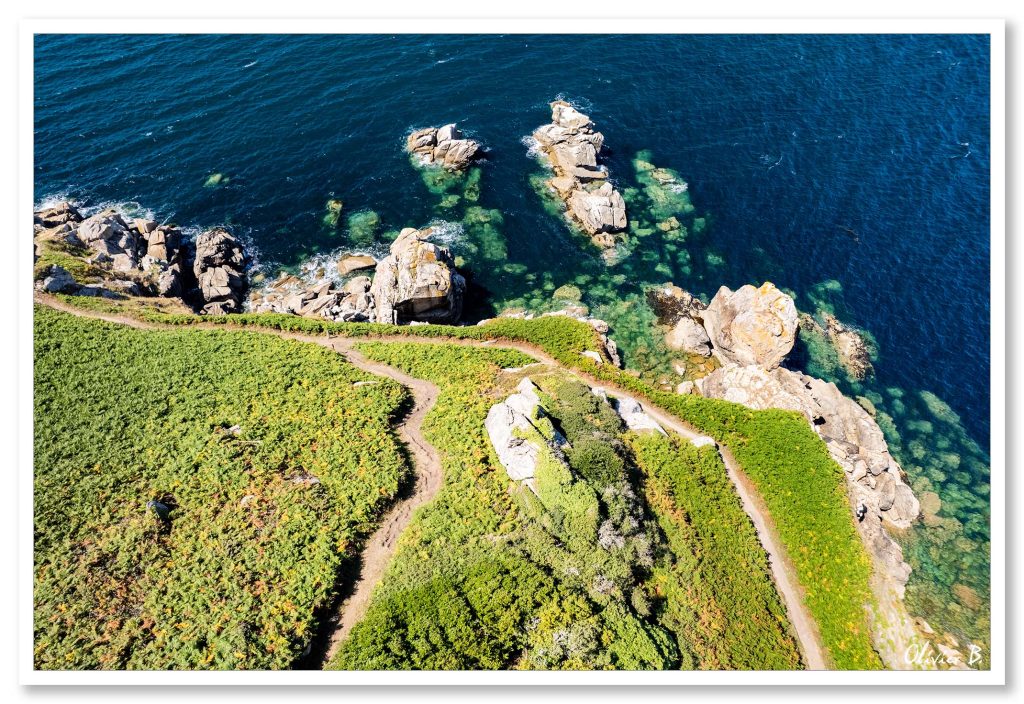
(802, 486)
(234, 578)
(482, 579)
(718, 592)
(488, 579)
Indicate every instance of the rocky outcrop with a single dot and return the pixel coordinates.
(689, 336)
(57, 215)
(572, 146)
(519, 437)
(351, 303)
(417, 281)
(751, 326)
(670, 303)
(219, 269)
(634, 415)
(683, 313)
(443, 146)
(350, 263)
(123, 256)
(880, 499)
(59, 280)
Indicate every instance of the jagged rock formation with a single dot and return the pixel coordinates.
(219, 268)
(139, 257)
(751, 326)
(417, 281)
(443, 146)
(514, 428)
(572, 146)
(879, 495)
(351, 303)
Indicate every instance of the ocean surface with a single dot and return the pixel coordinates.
(852, 171)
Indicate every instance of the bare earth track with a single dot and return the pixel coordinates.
(380, 547)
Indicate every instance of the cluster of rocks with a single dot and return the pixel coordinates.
(750, 331)
(138, 257)
(350, 303)
(444, 147)
(572, 147)
(416, 282)
(219, 270)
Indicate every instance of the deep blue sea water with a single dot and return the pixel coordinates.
(857, 160)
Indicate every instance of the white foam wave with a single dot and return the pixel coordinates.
(446, 233)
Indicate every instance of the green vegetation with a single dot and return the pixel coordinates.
(270, 465)
(803, 488)
(488, 575)
(578, 575)
(718, 594)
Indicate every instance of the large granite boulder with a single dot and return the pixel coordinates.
(599, 211)
(108, 234)
(689, 336)
(572, 147)
(515, 430)
(59, 280)
(751, 325)
(443, 146)
(219, 269)
(350, 263)
(417, 281)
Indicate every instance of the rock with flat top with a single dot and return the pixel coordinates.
(350, 263)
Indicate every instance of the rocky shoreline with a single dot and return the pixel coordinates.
(139, 257)
(740, 337)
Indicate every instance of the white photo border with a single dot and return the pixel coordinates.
(995, 29)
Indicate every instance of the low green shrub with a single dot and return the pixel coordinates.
(269, 464)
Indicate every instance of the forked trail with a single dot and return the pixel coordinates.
(380, 547)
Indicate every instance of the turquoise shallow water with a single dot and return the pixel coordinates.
(849, 170)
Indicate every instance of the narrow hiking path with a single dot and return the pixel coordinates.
(380, 547)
